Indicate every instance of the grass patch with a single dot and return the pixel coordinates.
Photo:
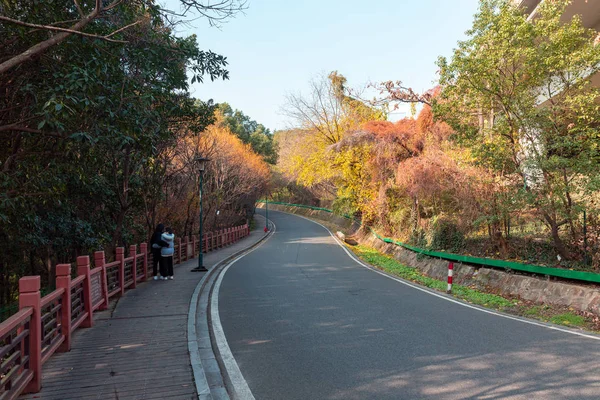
(393, 266)
(554, 314)
(568, 319)
(534, 312)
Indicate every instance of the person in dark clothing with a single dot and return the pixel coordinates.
(166, 263)
(156, 243)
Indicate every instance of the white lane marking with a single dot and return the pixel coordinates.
(357, 260)
(200, 381)
(240, 386)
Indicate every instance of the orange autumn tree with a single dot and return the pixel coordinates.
(419, 177)
(234, 179)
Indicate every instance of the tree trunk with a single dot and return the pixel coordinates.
(558, 243)
(569, 205)
(50, 267)
(117, 238)
(499, 240)
(415, 214)
(3, 286)
(32, 269)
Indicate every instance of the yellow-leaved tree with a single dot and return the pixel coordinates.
(309, 154)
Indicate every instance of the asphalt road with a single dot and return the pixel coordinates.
(305, 321)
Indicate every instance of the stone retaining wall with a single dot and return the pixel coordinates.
(532, 288)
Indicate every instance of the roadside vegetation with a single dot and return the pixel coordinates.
(500, 160)
(100, 132)
(545, 313)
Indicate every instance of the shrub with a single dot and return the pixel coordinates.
(445, 235)
(418, 238)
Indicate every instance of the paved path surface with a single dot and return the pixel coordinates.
(304, 321)
(139, 350)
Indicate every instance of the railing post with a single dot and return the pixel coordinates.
(63, 280)
(187, 248)
(179, 250)
(206, 242)
(133, 253)
(144, 251)
(247, 229)
(83, 268)
(29, 296)
(228, 236)
(182, 250)
(99, 262)
(121, 259)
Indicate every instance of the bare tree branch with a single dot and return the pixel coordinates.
(397, 92)
(79, 9)
(16, 127)
(215, 11)
(122, 29)
(54, 40)
(59, 29)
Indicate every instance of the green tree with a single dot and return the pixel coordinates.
(519, 94)
(83, 125)
(249, 131)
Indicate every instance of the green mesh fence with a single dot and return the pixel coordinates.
(482, 261)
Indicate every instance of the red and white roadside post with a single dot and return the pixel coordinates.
(450, 274)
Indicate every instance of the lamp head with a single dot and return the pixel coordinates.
(201, 161)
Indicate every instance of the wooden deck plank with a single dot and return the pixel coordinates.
(136, 350)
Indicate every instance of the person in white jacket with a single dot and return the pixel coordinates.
(167, 255)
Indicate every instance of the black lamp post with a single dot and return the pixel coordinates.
(201, 166)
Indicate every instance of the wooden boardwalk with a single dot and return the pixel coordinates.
(137, 349)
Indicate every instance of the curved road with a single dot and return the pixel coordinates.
(305, 321)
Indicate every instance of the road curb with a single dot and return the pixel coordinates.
(202, 386)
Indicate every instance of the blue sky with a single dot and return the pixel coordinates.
(277, 46)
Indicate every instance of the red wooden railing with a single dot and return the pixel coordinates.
(45, 325)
